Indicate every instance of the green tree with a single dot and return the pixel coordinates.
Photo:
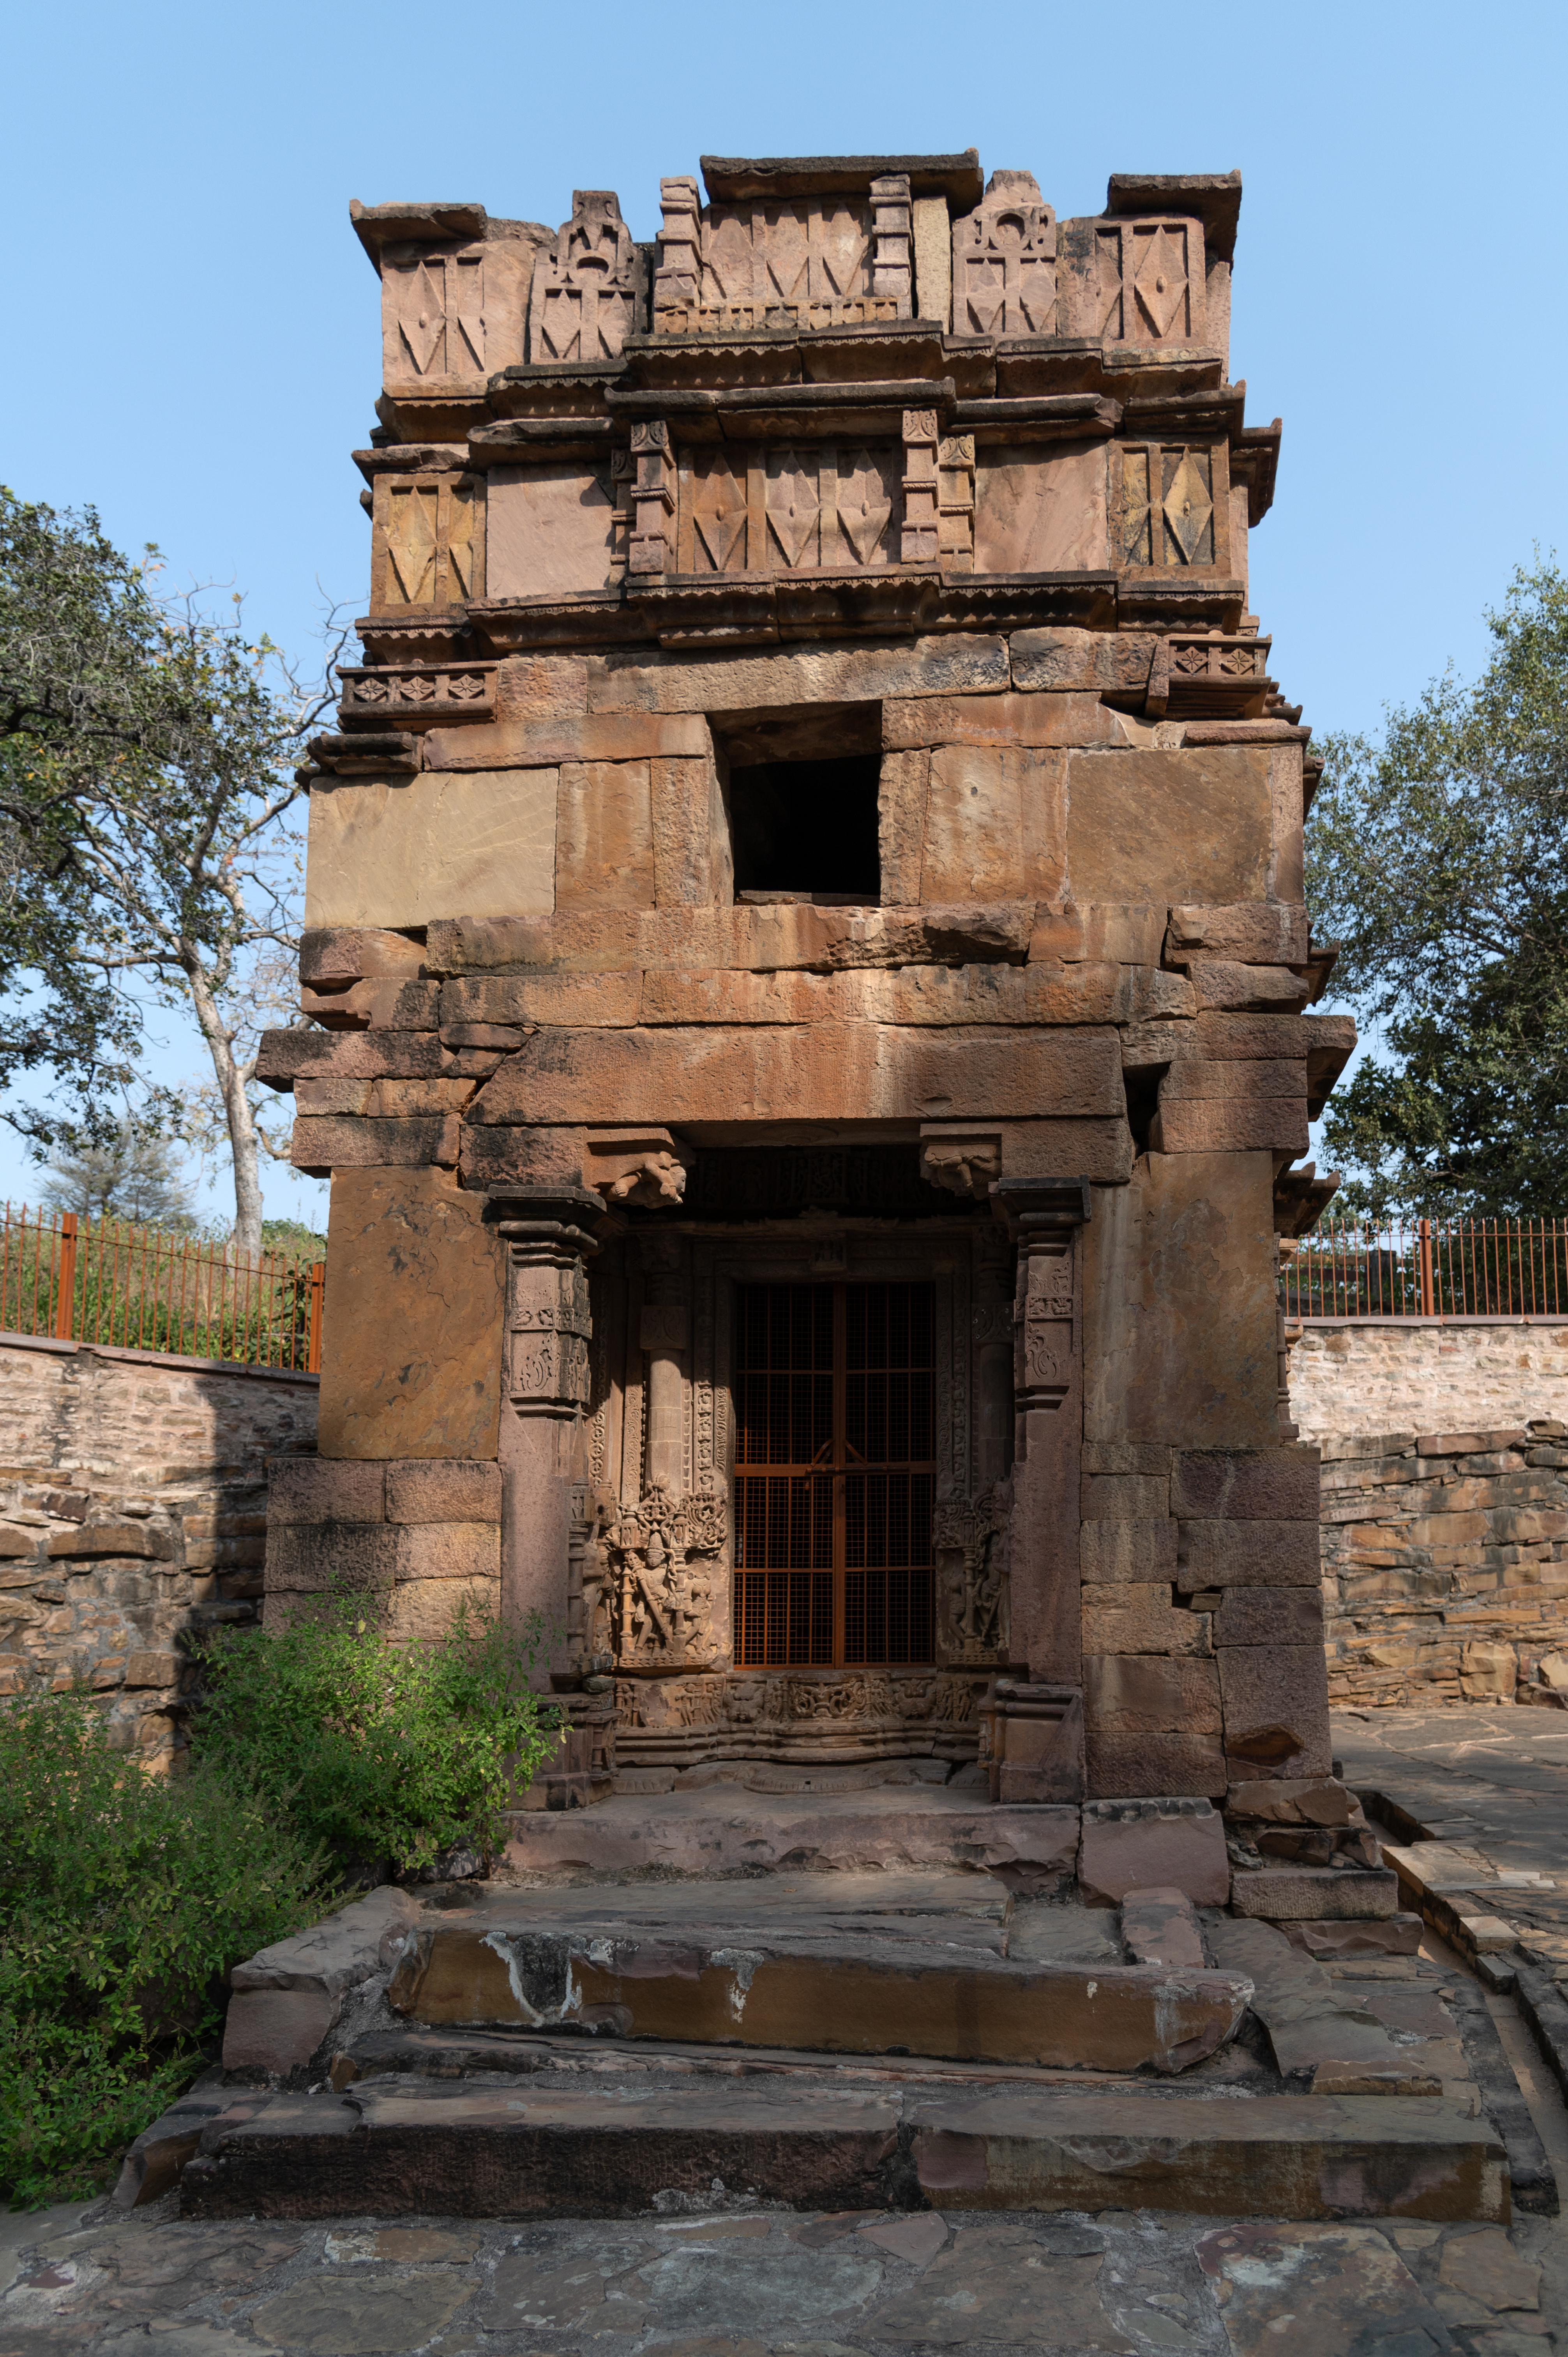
(133, 1175)
(1440, 861)
(147, 786)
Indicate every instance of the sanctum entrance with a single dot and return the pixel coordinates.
(834, 1391)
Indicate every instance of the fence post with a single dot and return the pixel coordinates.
(317, 1287)
(1428, 1302)
(65, 1299)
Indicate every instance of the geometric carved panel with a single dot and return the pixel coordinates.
(1148, 282)
(427, 546)
(1170, 509)
(810, 262)
(781, 510)
(1004, 261)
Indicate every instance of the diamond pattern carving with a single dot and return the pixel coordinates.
(420, 304)
(1160, 281)
(1188, 510)
(793, 508)
(864, 511)
(1004, 261)
(817, 261)
(410, 544)
(719, 513)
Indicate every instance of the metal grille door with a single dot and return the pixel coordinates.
(834, 1401)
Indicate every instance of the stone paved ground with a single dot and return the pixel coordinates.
(774, 2285)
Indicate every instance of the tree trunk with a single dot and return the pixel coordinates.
(243, 1149)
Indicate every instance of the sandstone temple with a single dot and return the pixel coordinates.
(807, 976)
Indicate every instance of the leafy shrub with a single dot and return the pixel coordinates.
(379, 1750)
(125, 1901)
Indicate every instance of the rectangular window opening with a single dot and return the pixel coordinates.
(801, 788)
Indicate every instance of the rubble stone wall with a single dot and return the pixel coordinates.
(1427, 1375)
(133, 1510)
(1445, 1506)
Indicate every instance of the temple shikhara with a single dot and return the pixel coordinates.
(807, 978)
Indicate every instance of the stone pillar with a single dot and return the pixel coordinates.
(1043, 1217)
(665, 1337)
(545, 1380)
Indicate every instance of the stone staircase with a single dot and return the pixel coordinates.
(942, 2024)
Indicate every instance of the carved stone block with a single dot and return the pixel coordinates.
(1004, 261)
(590, 292)
(826, 261)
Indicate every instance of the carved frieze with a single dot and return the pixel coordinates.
(783, 511)
(590, 290)
(812, 261)
(418, 696)
(660, 1561)
(1004, 261)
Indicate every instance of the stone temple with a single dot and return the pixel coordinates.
(807, 970)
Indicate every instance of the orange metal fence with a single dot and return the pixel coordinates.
(1429, 1268)
(147, 1289)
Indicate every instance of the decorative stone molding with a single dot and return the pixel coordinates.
(974, 1601)
(921, 534)
(1004, 261)
(652, 498)
(822, 261)
(591, 292)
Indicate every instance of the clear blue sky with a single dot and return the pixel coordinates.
(193, 328)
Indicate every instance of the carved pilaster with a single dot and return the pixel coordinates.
(653, 499)
(1044, 1216)
(955, 501)
(675, 282)
(890, 242)
(921, 517)
(546, 1382)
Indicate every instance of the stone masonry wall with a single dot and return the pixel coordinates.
(1427, 1375)
(1444, 1512)
(132, 1508)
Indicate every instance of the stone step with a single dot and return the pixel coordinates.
(916, 1985)
(724, 1830)
(510, 2148)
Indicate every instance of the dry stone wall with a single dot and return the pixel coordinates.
(1445, 1507)
(132, 1511)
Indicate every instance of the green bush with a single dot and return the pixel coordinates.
(125, 1900)
(381, 1752)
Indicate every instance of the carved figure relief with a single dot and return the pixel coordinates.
(814, 261)
(975, 1531)
(549, 1328)
(588, 294)
(661, 1559)
(1004, 261)
(1044, 1323)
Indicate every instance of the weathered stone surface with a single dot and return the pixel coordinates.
(1209, 1126)
(1293, 1801)
(1126, 933)
(840, 1072)
(307, 1559)
(996, 824)
(442, 1490)
(723, 681)
(324, 1489)
(604, 838)
(547, 530)
(345, 1948)
(1081, 659)
(1275, 1700)
(1276, 2156)
(1138, 1619)
(1263, 932)
(1144, 1766)
(536, 740)
(1169, 826)
(1140, 1551)
(775, 934)
(1339, 2285)
(412, 1354)
(1329, 1942)
(1159, 1926)
(1485, 2266)
(325, 1142)
(1227, 983)
(1040, 511)
(1321, 2031)
(1270, 1615)
(1003, 721)
(1158, 1846)
(1247, 1555)
(403, 852)
(275, 2029)
(1237, 1485)
(351, 2315)
(1139, 1694)
(987, 2288)
(1315, 1893)
(340, 954)
(1189, 1230)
